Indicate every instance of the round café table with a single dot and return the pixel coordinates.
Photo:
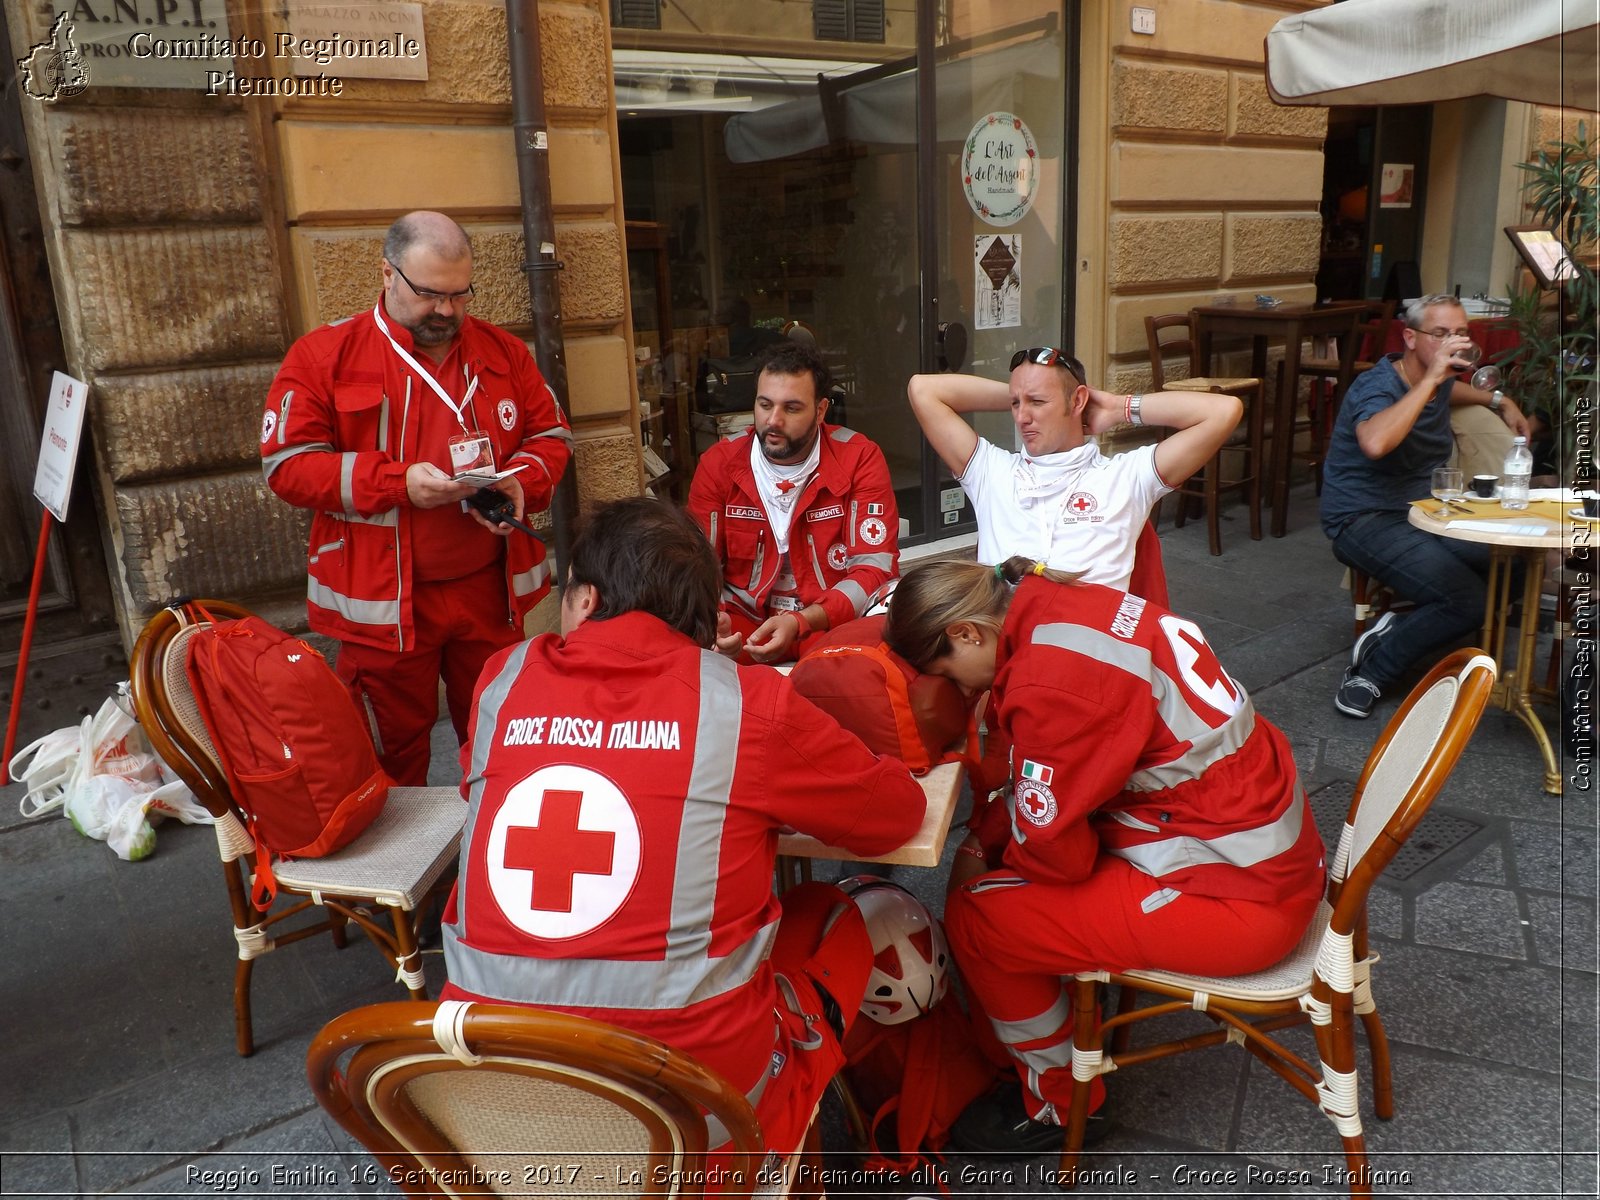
(1516, 538)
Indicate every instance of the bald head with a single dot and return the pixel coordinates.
(430, 231)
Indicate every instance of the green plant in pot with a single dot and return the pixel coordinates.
(1554, 366)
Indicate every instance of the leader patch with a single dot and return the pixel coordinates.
(506, 410)
(1036, 803)
(269, 422)
(873, 531)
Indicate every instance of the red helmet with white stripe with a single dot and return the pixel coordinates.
(910, 959)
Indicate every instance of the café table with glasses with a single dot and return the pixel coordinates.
(1525, 535)
(1293, 323)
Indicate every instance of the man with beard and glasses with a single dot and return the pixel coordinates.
(801, 514)
(368, 423)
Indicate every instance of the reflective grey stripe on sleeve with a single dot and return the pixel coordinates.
(884, 562)
(362, 612)
(854, 592)
(1031, 1029)
(841, 434)
(1245, 848)
(271, 462)
(525, 583)
(1208, 745)
(559, 432)
(347, 474)
(687, 973)
(1159, 899)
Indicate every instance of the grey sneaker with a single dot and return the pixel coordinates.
(1368, 641)
(1356, 695)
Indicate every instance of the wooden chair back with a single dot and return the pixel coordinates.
(1181, 344)
(1409, 763)
(478, 1099)
(165, 705)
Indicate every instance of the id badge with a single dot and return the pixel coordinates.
(471, 452)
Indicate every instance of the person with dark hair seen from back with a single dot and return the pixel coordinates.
(364, 425)
(1155, 820)
(626, 786)
(1058, 498)
(1393, 429)
(801, 513)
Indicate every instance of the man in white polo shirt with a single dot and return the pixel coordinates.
(1060, 500)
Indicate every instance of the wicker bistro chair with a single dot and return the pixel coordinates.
(1327, 978)
(402, 859)
(457, 1099)
(1209, 484)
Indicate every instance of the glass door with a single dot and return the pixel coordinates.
(812, 183)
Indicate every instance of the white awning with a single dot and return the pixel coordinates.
(1419, 51)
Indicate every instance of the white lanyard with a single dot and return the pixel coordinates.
(458, 409)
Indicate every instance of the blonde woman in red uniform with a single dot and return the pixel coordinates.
(1154, 819)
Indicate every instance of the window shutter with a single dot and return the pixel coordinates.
(635, 14)
(847, 20)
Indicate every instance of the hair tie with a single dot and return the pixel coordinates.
(1038, 568)
(999, 572)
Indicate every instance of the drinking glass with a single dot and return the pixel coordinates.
(1486, 379)
(1467, 358)
(1448, 484)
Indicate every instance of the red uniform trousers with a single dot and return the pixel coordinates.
(459, 624)
(1015, 940)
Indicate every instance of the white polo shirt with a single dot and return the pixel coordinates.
(1075, 511)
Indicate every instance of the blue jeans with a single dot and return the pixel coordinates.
(1446, 579)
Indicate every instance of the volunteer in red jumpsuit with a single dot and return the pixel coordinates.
(626, 786)
(801, 513)
(359, 427)
(1155, 820)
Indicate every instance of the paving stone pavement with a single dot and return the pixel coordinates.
(118, 1075)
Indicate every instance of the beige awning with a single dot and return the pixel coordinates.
(1419, 51)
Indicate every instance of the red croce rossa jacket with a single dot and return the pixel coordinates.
(340, 430)
(844, 543)
(1128, 738)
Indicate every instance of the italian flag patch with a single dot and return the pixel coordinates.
(874, 510)
(1037, 772)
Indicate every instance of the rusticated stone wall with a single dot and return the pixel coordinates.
(193, 237)
(1210, 189)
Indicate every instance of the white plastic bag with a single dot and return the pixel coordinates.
(105, 778)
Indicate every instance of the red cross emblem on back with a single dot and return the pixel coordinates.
(555, 850)
(1205, 667)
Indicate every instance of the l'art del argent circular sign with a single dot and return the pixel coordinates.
(1000, 169)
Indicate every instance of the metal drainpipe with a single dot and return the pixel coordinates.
(538, 231)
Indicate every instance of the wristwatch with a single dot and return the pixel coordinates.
(1496, 399)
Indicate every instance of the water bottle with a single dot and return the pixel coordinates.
(1514, 478)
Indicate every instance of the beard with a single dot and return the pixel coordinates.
(433, 329)
(787, 451)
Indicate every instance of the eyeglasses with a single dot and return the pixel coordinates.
(433, 297)
(1049, 356)
(1439, 335)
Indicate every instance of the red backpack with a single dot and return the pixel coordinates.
(851, 674)
(922, 1073)
(297, 754)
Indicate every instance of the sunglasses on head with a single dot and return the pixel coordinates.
(1049, 356)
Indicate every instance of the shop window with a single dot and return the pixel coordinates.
(847, 20)
(636, 14)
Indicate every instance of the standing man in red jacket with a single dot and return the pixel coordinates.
(626, 788)
(367, 423)
(801, 514)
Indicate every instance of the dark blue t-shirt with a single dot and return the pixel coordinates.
(1352, 483)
